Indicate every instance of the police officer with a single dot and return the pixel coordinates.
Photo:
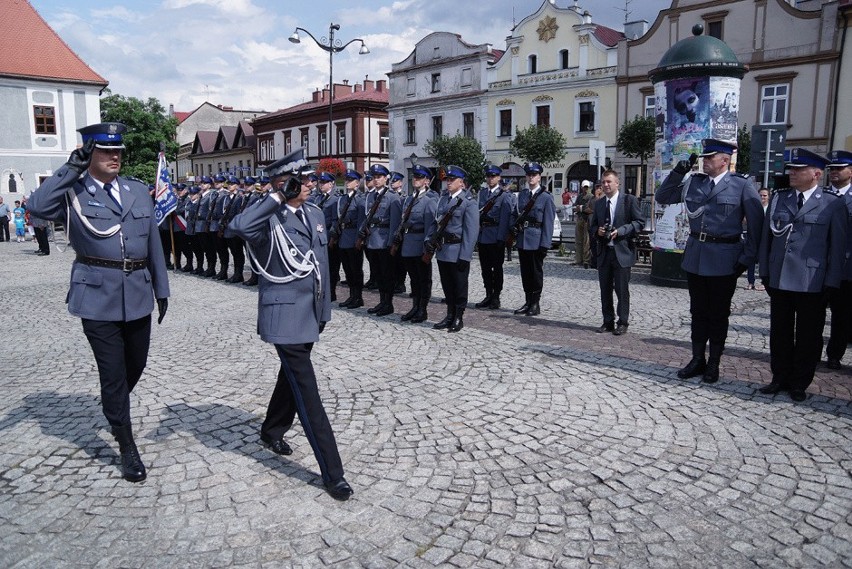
(452, 237)
(495, 215)
(261, 190)
(716, 202)
(225, 193)
(202, 227)
(179, 224)
(395, 181)
(288, 239)
(326, 198)
(375, 233)
(348, 215)
(118, 272)
(802, 255)
(369, 194)
(534, 228)
(236, 246)
(840, 175)
(409, 232)
(190, 213)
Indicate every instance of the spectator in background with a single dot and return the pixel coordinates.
(19, 217)
(581, 227)
(764, 201)
(40, 231)
(4, 221)
(567, 199)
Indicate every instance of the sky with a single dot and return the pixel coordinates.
(237, 53)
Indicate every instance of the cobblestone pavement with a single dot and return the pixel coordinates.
(519, 442)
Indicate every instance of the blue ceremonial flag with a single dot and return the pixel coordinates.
(165, 200)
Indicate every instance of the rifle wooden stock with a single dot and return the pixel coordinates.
(438, 240)
(332, 242)
(399, 234)
(359, 243)
(516, 228)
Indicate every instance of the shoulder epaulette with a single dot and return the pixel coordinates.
(699, 174)
(831, 191)
(132, 179)
(739, 175)
(315, 206)
(779, 190)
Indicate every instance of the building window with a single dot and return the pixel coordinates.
(437, 126)
(341, 139)
(585, 116)
(323, 141)
(45, 120)
(505, 122)
(467, 125)
(542, 115)
(288, 143)
(410, 131)
(304, 134)
(412, 85)
(384, 138)
(563, 59)
(436, 82)
(650, 105)
(532, 64)
(248, 166)
(210, 169)
(219, 167)
(714, 29)
(773, 104)
(227, 167)
(466, 77)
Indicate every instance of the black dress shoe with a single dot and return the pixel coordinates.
(534, 310)
(277, 446)
(356, 303)
(605, 328)
(252, 281)
(772, 388)
(696, 366)
(523, 309)
(484, 303)
(339, 490)
(620, 330)
(833, 363)
(798, 395)
(711, 373)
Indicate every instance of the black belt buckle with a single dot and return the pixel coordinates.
(526, 224)
(127, 266)
(702, 236)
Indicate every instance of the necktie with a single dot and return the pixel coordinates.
(801, 200)
(108, 190)
(301, 217)
(712, 184)
(608, 212)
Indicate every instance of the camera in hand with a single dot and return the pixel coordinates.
(608, 229)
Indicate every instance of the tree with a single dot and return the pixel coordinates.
(461, 151)
(744, 150)
(636, 139)
(540, 144)
(148, 125)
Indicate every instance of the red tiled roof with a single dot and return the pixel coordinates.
(366, 96)
(181, 115)
(32, 49)
(608, 36)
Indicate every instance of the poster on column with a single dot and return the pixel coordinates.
(688, 110)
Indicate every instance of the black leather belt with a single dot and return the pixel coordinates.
(379, 224)
(488, 222)
(451, 238)
(707, 238)
(127, 265)
(536, 224)
(415, 231)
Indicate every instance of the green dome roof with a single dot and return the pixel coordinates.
(697, 56)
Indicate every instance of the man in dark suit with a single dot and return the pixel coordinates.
(118, 272)
(616, 222)
(293, 308)
(802, 254)
(716, 202)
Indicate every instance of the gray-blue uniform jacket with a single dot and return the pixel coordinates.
(494, 226)
(190, 213)
(181, 204)
(422, 215)
(725, 206)
(847, 267)
(287, 313)
(804, 250)
(105, 293)
(538, 231)
(354, 219)
(380, 235)
(204, 204)
(327, 203)
(463, 227)
(222, 200)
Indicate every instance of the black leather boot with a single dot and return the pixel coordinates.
(495, 301)
(387, 304)
(422, 315)
(132, 468)
(415, 308)
(525, 307)
(711, 373)
(486, 302)
(457, 323)
(445, 323)
(534, 309)
(696, 365)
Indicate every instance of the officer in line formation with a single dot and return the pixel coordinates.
(840, 302)
(802, 245)
(496, 205)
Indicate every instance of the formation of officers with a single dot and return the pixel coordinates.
(397, 232)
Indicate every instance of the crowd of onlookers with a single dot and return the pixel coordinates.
(25, 226)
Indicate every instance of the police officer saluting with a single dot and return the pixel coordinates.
(287, 239)
(716, 201)
(452, 237)
(532, 224)
(802, 254)
(495, 215)
(840, 302)
(119, 270)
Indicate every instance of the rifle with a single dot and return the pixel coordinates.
(212, 206)
(489, 205)
(362, 235)
(437, 239)
(399, 235)
(338, 227)
(516, 228)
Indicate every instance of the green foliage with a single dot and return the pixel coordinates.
(148, 125)
(540, 144)
(636, 138)
(461, 151)
(744, 150)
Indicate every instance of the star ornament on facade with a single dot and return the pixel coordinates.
(547, 29)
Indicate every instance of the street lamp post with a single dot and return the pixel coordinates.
(332, 46)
